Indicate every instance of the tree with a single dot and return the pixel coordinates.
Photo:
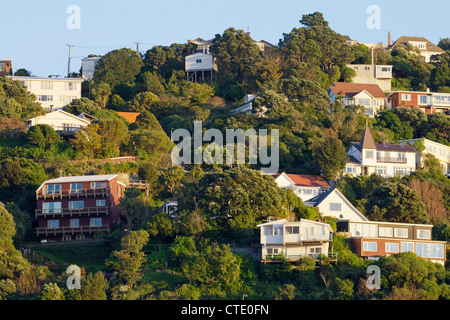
(132, 207)
(432, 197)
(51, 291)
(395, 202)
(332, 157)
(43, 136)
(343, 289)
(239, 61)
(119, 69)
(101, 93)
(316, 45)
(238, 197)
(94, 286)
(22, 72)
(83, 105)
(129, 260)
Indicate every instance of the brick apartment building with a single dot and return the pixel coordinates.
(77, 208)
(429, 102)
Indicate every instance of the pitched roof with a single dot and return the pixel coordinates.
(367, 141)
(321, 197)
(129, 116)
(305, 180)
(60, 113)
(93, 178)
(349, 89)
(403, 40)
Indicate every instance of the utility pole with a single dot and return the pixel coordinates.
(70, 56)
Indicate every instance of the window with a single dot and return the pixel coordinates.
(335, 207)
(381, 171)
(292, 230)
(67, 238)
(100, 203)
(370, 246)
(407, 247)
(364, 102)
(52, 189)
(277, 231)
(45, 98)
(74, 223)
(307, 191)
(199, 61)
(51, 207)
(76, 205)
(76, 188)
(268, 231)
(71, 86)
(423, 234)
(406, 97)
(401, 233)
(98, 185)
(47, 85)
(350, 169)
(385, 69)
(96, 222)
(392, 247)
(315, 250)
(53, 224)
(369, 154)
(424, 100)
(430, 250)
(385, 232)
(272, 251)
(80, 237)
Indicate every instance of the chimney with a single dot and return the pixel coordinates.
(189, 41)
(389, 39)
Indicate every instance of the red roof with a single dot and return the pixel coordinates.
(349, 89)
(129, 116)
(306, 180)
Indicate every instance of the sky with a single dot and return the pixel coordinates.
(35, 34)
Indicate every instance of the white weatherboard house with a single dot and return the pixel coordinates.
(60, 121)
(440, 151)
(199, 67)
(52, 93)
(388, 160)
(370, 96)
(295, 240)
(304, 186)
(334, 204)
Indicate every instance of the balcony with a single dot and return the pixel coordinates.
(391, 160)
(71, 230)
(317, 256)
(67, 193)
(92, 211)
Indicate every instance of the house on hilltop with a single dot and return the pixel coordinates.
(295, 240)
(77, 208)
(374, 239)
(426, 47)
(388, 160)
(335, 205)
(304, 186)
(370, 96)
(61, 121)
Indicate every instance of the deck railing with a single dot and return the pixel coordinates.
(90, 211)
(68, 193)
(71, 230)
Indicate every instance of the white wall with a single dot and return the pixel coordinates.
(346, 212)
(60, 91)
(192, 63)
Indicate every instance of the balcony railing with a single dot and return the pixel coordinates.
(316, 256)
(391, 160)
(71, 230)
(45, 213)
(81, 193)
